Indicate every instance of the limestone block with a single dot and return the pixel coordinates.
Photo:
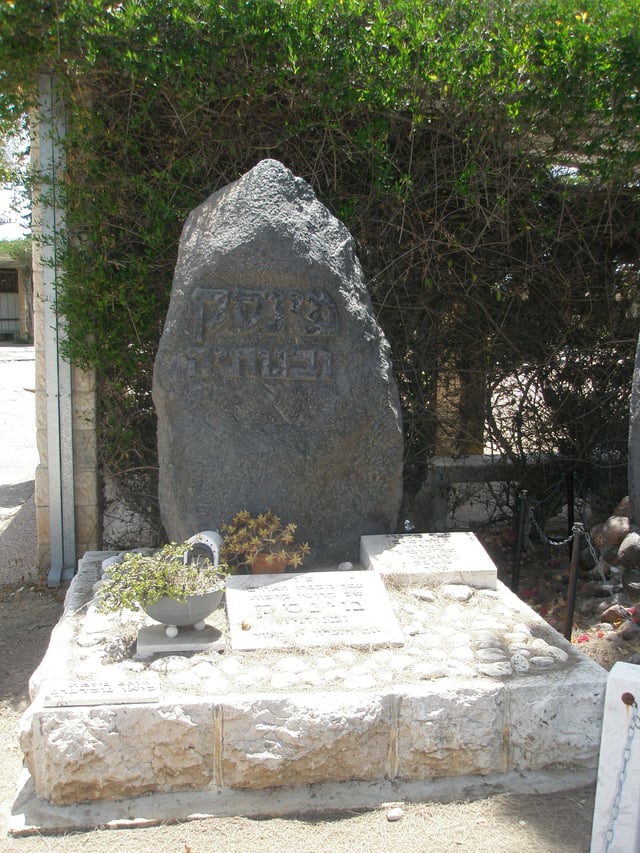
(87, 527)
(86, 488)
(451, 731)
(84, 409)
(297, 740)
(109, 752)
(559, 725)
(85, 448)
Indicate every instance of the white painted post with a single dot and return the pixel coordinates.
(616, 817)
(57, 369)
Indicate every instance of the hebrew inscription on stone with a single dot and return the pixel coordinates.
(310, 609)
(102, 692)
(241, 314)
(433, 558)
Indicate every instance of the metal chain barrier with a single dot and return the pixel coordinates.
(578, 531)
(560, 543)
(634, 725)
(555, 543)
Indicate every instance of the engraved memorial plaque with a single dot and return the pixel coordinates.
(144, 689)
(430, 558)
(310, 609)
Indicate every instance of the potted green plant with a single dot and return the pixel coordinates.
(261, 544)
(173, 585)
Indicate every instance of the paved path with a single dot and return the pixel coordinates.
(18, 461)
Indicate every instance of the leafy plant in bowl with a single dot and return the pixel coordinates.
(261, 544)
(172, 585)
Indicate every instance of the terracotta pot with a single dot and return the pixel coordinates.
(260, 565)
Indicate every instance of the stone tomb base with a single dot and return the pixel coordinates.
(482, 697)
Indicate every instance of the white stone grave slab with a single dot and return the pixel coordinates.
(429, 558)
(142, 689)
(616, 820)
(310, 609)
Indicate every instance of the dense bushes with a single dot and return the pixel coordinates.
(482, 154)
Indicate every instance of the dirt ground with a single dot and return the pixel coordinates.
(551, 823)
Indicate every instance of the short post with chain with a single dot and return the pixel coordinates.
(616, 818)
(578, 533)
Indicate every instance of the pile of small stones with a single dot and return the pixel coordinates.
(452, 631)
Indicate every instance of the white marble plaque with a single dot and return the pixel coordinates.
(310, 609)
(144, 689)
(430, 558)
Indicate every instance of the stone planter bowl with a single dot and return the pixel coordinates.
(193, 611)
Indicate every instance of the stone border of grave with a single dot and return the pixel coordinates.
(288, 730)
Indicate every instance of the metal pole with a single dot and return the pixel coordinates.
(570, 502)
(577, 532)
(59, 405)
(515, 577)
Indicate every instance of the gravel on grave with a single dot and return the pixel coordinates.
(450, 631)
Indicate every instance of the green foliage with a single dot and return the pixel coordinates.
(247, 537)
(435, 130)
(18, 250)
(140, 578)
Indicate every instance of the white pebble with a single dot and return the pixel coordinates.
(230, 666)
(335, 674)
(395, 813)
(427, 671)
(345, 567)
(462, 653)
(542, 661)
(499, 669)
(281, 680)
(459, 591)
(424, 595)
(520, 664)
(490, 655)
(460, 669)
(399, 662)
(290, 663)
(486, 639)
(172, 663)
(558, 654)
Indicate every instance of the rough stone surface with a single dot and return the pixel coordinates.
(305, 740)
(629, 550)
(272, 381)
(83, 754)
(451, 732)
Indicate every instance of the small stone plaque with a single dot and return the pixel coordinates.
(102, 692)
(310, 609)
(430, 558)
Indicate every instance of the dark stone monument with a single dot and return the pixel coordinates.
(273, 381)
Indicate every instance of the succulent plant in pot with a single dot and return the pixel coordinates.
(172, 585)
(261, 544)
